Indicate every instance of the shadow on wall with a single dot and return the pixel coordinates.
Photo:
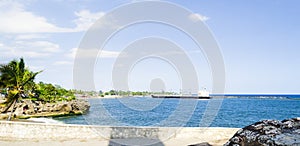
(125, 136)
(135, 141)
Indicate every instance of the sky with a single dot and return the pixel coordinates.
(259, 42)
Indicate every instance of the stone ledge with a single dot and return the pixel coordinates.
(42, 131)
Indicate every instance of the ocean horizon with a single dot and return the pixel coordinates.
(146, 111)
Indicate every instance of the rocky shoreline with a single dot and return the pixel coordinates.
(268, 133)
(25, 109)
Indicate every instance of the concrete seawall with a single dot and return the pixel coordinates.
(26, 131)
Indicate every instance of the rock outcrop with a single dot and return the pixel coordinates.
(28, 108)
(268, 133)
(201, 144)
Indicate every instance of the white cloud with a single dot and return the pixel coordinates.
(15, 19)
(32, 54)
(4, 49)
(29, 36)
(71, 53)
(86, 19)
(62, 63)
(34, 49)
(108, 54)
(36, 68)
(197, 17)
(91, 52)
(1, 45)
(41, 46)
(15, 53)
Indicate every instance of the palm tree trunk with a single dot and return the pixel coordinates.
(7, 107)
(10, 103)
(12, 111)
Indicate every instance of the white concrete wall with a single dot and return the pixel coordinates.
(41, 131)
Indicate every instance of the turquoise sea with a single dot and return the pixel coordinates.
(239, 111)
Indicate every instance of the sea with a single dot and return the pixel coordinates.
(234, 111)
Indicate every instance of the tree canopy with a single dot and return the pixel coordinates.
(17, 82)
(15, 77)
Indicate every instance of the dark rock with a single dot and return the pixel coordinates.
(201, 144)
(79, 105)
(63, 107)
(268, 133)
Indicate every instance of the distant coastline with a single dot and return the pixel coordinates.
(238, 95)
(107, 96)
(259, 95)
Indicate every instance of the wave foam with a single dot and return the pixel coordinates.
(46, 120)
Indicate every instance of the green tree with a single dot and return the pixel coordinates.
(113, 92)
(15, 77)
(52, 93)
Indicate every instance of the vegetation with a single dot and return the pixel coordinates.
(135, 93)
(52, 93)
(17, 82)
(15, 78)
(119, 93)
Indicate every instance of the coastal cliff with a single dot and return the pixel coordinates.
(27, 109)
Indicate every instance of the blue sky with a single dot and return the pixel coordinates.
(259, 41)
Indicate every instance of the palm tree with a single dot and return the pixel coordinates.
(14, 77)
